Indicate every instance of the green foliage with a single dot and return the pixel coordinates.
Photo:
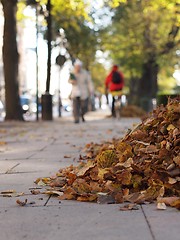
(72, 16)
(74, 19)
(82, 43)
(143, 30)
(99, 74)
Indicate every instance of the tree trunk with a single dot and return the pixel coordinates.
(148, 85)
(10, 60)
(133, 89)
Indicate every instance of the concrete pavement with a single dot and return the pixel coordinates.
(30, 150)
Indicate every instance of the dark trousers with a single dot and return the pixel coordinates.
(113, 107)
(80, 107)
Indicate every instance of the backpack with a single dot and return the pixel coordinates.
(116, 78)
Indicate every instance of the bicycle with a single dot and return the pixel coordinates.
(116, 95)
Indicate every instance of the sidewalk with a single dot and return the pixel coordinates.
(30, 150)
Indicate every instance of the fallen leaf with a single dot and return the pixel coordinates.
(21, 203)
(67, 156)
(54, 192)
(129, 207)
(170, 127)
(177, 160)
(161, 206)
(69, 194)
(82, 171)
(87, 198)
(8, 191)
(168, 200)
(176, 204)
(172, 180)
(35, 192)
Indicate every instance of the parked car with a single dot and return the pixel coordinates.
(25, 103)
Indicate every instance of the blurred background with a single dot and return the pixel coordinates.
(142, 37)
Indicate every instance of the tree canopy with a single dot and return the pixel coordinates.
(143, 32)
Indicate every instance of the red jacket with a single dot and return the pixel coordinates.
(113, 86)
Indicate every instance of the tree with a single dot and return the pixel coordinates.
(99, 74)
(82, 44)
(142, 34)
(10, 60)
(73, 17)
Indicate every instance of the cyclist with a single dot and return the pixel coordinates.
(114, 84)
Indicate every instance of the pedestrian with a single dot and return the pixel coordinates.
(82, 89)
(114, 84)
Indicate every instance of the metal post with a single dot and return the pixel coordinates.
(47, 97)
(59, 93)
(49, 38)
(37, 67)
(60, 60)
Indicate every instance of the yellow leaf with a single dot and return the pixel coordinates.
(170, 127)
(102, 172)
(87, 198)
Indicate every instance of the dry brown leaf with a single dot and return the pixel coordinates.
(53, 192)
(67, 156)
(172, 180)
(69, 194)
(8, 191)
(35, 192)
(177, 160)
(176, 204)
(129, 207)
(143, 166)
(168, 200)
(82, 171)
(87, 198)
(21, 203)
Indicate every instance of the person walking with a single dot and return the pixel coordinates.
(82, 88)
(114, 84)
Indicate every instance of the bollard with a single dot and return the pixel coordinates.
(46, 101)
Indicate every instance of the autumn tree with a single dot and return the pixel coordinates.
(10, 61)
(82, 44)
(74, 17)
(99, 74)
(141, 35)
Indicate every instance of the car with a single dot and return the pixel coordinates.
(25, 103)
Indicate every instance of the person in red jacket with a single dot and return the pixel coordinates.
(114, 84)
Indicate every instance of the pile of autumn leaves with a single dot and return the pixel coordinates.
(142, 167)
